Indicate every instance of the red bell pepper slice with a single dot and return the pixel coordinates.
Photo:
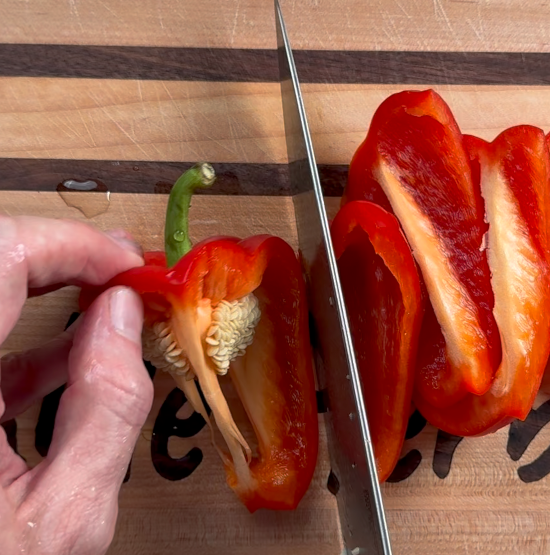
(545, 384)
(514, 173)
(414, 164)
(273, 378)
(383, 299)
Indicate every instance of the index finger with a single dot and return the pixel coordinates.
(37, 252)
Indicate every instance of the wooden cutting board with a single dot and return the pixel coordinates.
(130, 96)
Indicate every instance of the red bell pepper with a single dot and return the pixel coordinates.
(383, 299)
(545, 384)
(236, 306)
(414, 164)
(514, 174)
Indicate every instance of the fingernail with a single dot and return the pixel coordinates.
(125, 240)
(127, 313)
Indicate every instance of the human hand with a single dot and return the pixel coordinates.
(68, 503)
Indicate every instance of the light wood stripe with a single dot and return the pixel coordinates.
(444, 25)
(340, 115)
(134, 120)
(222, 122)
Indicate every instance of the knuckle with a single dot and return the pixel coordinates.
(127, 391)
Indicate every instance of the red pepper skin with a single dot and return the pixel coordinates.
(384, 304)
(274, 378)
(514, 173)
(413, 163)
(545, 384)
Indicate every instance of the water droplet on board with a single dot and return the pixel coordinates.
(179, 236)
(90, 197)
(80, 185)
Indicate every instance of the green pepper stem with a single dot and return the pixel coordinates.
(176, 227)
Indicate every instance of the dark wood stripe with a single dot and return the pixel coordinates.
(139, 177)
(333, 178)
(424, 68)
(136, 62)
(256, 65)
(30, 174)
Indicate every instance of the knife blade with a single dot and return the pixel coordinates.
(358, 494)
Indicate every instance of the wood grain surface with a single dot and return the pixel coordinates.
(130, 96)
(437, 25)
(129, 120)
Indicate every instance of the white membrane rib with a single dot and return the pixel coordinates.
(455, 310)
(517, 281)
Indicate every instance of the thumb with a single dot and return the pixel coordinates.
(100, 415)
(109, 392)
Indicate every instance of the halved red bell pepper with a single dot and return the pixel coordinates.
(414, 164)
(545, 384)
(238, 306)
(383, 300)
(514, 173)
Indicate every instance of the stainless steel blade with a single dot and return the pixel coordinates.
(358, 493)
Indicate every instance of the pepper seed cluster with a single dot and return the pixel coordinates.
(232, 330)
(161, 349)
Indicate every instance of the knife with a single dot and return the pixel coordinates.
(358, 494)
